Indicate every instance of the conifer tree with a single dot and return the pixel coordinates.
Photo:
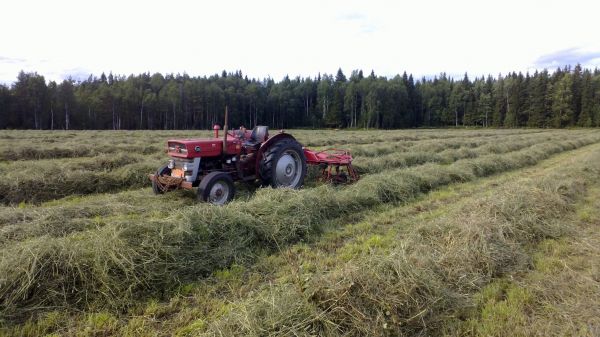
(587, 101)
(562, 102)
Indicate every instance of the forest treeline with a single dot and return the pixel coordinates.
(568, 96)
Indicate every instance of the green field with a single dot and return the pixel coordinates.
(449, 232)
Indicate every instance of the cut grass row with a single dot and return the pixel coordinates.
(410, 277)
(111, 266)
(343, 138)
(57, 181)
(558, 296)
(36, 181)
(437, 145)
(34, 145)
(20, 223)
(411, 270)
(121, 155)
(438, 154)
(413, 279)
(75, 214)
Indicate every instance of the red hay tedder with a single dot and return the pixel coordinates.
(213, 164)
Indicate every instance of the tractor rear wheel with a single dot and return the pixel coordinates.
(161, 171)
(284, 164)
(216, 188)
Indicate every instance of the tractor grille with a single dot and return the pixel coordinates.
(181, 168)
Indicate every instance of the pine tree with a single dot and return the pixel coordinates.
(587, 101)
(500, 97)
(30, 93)
(596, 102)
(325, 98)
(515, 100)
(337, 117)
(66, 102)
(562, 102)
(576, 92)
(537, 98)
(351, 103)
(455, 104)
(5, 102)
(484, 102)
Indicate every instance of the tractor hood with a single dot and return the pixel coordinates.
(201, 147)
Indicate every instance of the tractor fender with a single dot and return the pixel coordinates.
(272, 140)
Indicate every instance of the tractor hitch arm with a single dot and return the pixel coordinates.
(335, 164)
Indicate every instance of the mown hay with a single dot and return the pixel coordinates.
(424, 275)
(129, 258)
(58, 181)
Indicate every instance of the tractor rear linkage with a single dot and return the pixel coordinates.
(335, 164)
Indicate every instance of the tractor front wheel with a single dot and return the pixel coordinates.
(216, 188)
(284, 164)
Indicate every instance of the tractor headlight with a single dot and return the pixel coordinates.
(171, 164)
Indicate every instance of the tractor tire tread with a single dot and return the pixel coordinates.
(272, 154)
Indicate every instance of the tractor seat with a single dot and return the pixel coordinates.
(259, 135)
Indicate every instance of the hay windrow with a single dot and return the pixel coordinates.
(424, 275)
(123, 162)
(123, 258)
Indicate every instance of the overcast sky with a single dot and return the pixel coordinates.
(273, 38)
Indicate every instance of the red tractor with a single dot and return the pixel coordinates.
(213, 164)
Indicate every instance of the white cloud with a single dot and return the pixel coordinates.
(275, 38)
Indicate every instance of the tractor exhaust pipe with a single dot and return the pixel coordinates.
(225, 133)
